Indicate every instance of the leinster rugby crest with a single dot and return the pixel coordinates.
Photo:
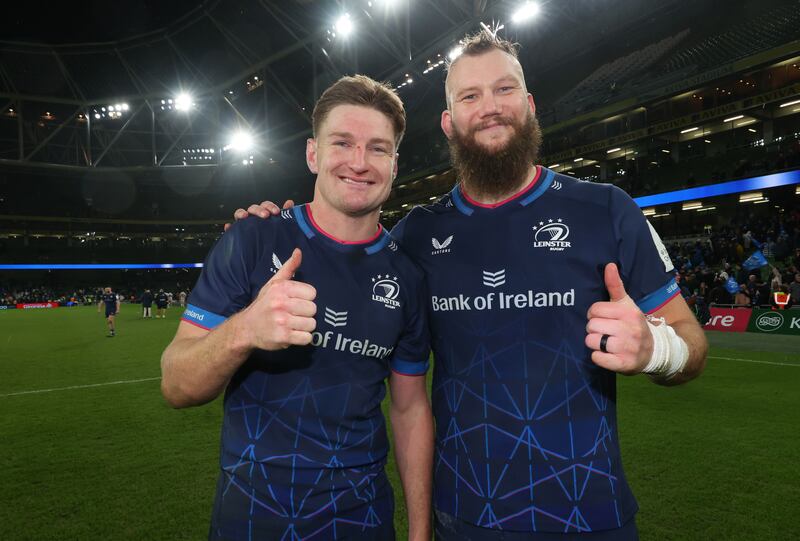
(385, 290)
(551, 234)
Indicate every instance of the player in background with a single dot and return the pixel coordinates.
(147, 303)
(162, 301)
(111, 302)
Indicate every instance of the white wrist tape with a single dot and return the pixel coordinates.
(670, 351)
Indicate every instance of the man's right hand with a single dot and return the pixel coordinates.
(263, 210)
(283, 313)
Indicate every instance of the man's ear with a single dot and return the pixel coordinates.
(447, 123)
(531, 103)
(311, 155)
(396, 162)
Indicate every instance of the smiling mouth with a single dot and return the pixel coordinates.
(356, 182)
(492, 126)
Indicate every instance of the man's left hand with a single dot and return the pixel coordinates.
(629, 345)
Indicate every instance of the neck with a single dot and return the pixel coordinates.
(343, 227)
(486, 198)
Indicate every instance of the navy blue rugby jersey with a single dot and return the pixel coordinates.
(304, 441)
(110, 300)
(526, 425)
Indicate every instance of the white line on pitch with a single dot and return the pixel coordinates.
(752, 361)
(37, 391)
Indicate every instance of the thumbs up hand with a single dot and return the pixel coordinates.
(628, 341)
(283, 313)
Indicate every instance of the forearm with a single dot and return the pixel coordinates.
(691, 333)
(196, 370)
(413, 448)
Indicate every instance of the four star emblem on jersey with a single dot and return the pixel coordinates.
(385, 289)
(551, 234)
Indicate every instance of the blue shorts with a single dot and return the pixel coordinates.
(110, 312)
(449, 528)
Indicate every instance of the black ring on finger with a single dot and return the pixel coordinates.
(603, 343)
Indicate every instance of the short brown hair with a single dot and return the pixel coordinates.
(482, 42)
(366, 92)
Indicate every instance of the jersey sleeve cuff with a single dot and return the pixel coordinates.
(409, 368)
(658, 298)
(202, 318)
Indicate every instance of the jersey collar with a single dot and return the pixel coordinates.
(304, 218)
(542, 180)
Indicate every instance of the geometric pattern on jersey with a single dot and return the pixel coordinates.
(304, 441)
(526, 425)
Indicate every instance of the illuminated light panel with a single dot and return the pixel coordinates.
(78, 266)
(724, 188)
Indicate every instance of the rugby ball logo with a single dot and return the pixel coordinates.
(552, 232)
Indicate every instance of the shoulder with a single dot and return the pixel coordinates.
(419, 218)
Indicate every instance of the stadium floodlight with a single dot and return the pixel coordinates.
(692, 205)
(613, 150)
(790, 103)
(525, 12)
(731, 119)
(240, 141)
(455, 52)
(689, 130)
(344, 25)
(183, 102)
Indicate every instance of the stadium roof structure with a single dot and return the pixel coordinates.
(146, 86)
(100, 85)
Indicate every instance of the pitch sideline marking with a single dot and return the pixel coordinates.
(752, 361)
(123, 382)
(38, 391)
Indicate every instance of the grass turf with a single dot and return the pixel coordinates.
(715, 459)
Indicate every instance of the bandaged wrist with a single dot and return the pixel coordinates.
(670, 351)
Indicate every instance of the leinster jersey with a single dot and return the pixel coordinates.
(110, 302)
(303, 442)
(526, 424)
